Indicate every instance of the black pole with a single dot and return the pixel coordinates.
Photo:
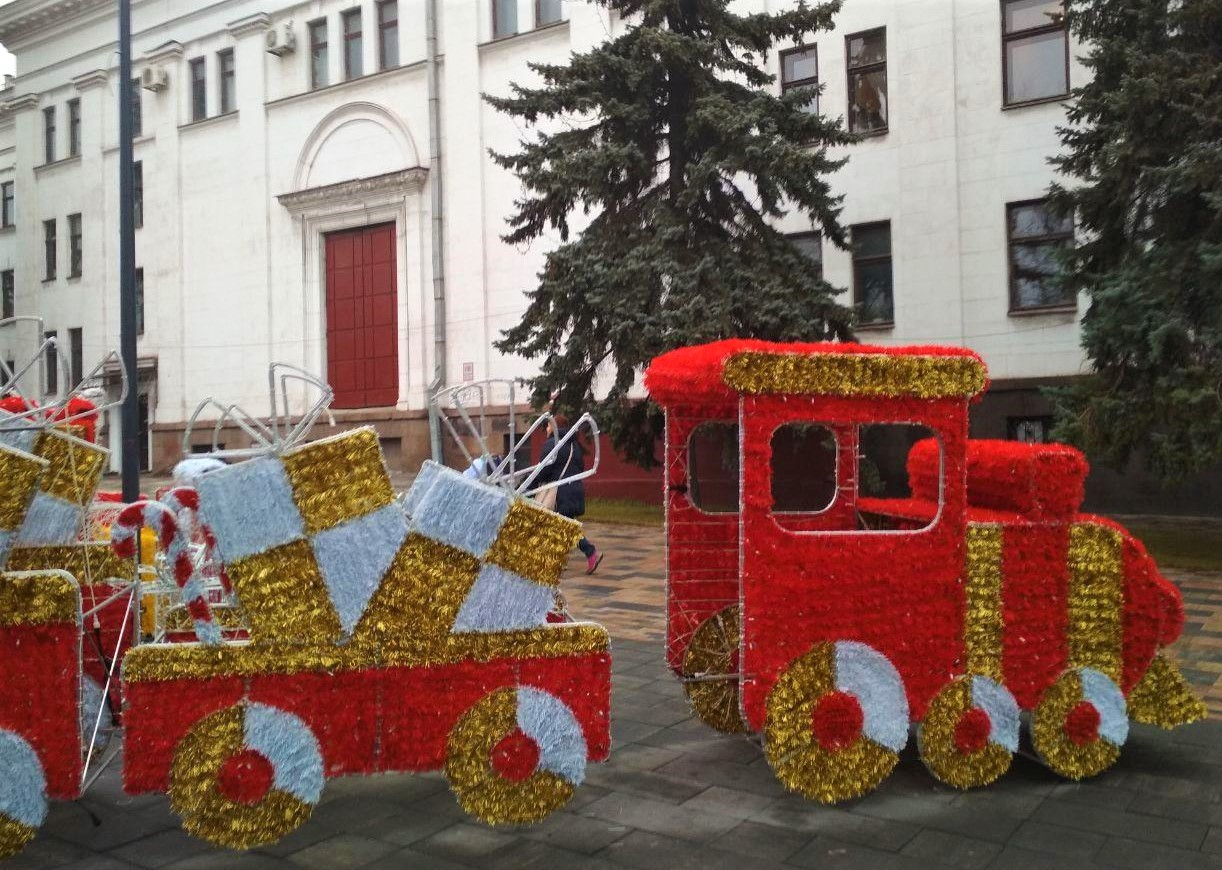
(130, 417)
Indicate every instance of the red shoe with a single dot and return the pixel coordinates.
(593, 562)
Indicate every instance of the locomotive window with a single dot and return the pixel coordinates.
(890, 499)
(803, 472)
(712, 467)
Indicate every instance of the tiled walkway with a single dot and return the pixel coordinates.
(676, 795)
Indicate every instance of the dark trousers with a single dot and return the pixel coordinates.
(587, 549)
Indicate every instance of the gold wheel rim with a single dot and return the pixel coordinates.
(710, 671)
(941, 754)
(1059, 752)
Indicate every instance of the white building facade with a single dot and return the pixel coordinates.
(288, 174)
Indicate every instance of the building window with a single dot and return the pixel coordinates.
(810, 246)
(48, 134)
(318, 53)
(800, 70)
(873, 292)
(199, 90)
(867, 70)
(504, 18)
(137, 110)
(1035, 51)
(1036, 234)
(138, 193)
(140, 301)
(547, 12)
(229, 92)
(48, 248)
(8, 294)
(76, 355)
(353, 44)
(388, 34)
(1031, 430)
(74, 246)
(52, 358)
(74, 128)
(8, 212)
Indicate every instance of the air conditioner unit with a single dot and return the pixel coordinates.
(154, 78)
(282, 40)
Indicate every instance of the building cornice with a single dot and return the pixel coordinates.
(257, 23)
(93, 79)
(35, 16)
(21, 103)
(171, 50)
(340, 194)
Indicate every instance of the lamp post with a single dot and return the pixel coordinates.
(129, 455)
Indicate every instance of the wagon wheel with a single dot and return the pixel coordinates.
(970, 732)
(1080, 724)
(711, 671)
(23, 798)
(837, 720)
(246, 776)
(515, 756)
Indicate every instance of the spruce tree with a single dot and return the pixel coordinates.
(672, 140)
(1143, 155)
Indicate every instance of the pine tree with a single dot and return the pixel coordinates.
(1143, 155)
(671, 138)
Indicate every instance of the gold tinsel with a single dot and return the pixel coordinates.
(90, 562)
(1096, 599)
(229, 617)
(710, 671)
(159, 662)
(13, 836)
(38, 599)
(285, 596)
(207, 813)
(75, 466)
(982, 624)
(855, 374)
(338, 479)
(1054, 746)
(936, 741)
(797, 758)
(480, 790)
(534, 543)
(1162, 697)
(20, 473)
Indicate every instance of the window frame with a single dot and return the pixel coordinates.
(383, 39)
(1071, 236)
(76, 356)
(313, 29)
(137, 109)
(809, 234)
(358, 36)
(694, 488)
(50, 245)
(140, 300)
(48, 134)
(8, 294)
(1007, 38)
(1012, 424)
(849, 71)
(227, 80)
(8, 204)
(197, 80)
(874, 258)
(538, 9)
(836, 449)
(138, 193)
(497, 33)
(74, 127)
(809, 81)
(76, 245)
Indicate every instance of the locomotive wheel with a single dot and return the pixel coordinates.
(246, 776)
(837, 720)
(970, 732)
(515, 756)
(23, 800)
(711, 671)
(1080, 724)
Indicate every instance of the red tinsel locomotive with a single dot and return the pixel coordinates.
(814, 602)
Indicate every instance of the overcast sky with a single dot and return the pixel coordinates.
(7, 64)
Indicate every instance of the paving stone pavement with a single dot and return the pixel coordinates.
(675, 794)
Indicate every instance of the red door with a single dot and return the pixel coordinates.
(362, 328)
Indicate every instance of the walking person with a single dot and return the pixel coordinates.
(570, 496)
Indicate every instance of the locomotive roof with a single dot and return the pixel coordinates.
(721, 371)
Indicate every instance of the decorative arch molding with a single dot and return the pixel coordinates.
(341, 122)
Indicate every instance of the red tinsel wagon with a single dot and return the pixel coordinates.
(814, 602)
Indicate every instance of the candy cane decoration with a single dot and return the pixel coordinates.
(184, 502)
(124, 535)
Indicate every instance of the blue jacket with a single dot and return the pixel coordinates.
(571, 497)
